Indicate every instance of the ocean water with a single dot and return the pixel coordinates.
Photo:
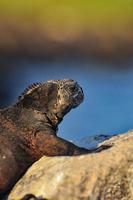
(108, 105)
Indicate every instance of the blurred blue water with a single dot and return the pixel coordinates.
(108, 103)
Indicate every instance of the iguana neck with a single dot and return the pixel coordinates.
(29, 119)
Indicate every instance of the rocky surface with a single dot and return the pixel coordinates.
(107, 175)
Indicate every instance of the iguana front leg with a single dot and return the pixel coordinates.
(51, 145)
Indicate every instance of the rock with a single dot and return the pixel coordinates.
(107, 175)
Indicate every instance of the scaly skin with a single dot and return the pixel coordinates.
(28, 128)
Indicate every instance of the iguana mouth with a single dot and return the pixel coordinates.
(78, 95)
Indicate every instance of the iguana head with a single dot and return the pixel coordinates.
(54, 98)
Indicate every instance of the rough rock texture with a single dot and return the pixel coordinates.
(107, 175)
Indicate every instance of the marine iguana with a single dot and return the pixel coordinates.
(28, 128)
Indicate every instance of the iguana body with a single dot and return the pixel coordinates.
(28, 128)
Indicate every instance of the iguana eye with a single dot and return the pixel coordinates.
(72, 88)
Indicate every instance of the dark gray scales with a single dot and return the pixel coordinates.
(28, 128)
